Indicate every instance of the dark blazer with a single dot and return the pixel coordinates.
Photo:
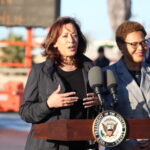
(42, 81)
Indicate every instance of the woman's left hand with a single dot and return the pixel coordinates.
(90, 100)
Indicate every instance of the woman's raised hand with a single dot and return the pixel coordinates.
(56, 99)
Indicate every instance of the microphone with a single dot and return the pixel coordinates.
(95, 77)
(112, 86)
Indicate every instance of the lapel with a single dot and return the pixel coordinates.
(53, 78)
(145, 82)
(52, 82)
(129, 82)
(86, 67)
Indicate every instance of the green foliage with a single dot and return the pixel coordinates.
(108, 46)
(13, 53)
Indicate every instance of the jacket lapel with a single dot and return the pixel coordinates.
(128, 80)
(145, 83)
(85, 70)
(53, 78)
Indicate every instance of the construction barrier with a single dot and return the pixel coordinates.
(10, 97)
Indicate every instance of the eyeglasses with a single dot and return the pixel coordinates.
(135, 45)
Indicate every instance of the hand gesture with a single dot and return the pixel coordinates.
(90, 100)
(56, 99)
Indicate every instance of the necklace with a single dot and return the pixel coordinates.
(68, 60)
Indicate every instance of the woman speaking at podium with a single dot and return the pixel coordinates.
(58, 88)
(133, 79)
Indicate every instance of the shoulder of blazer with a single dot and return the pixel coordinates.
(114, 66)
(38, 67)
(86, 59)
(45, 66)
(87, 62)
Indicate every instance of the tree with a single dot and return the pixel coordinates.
(13, 53)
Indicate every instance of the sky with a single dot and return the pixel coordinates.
(93, 15)
(93, 18)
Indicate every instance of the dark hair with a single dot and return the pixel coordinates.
(100, 49)
(127, 27)
(55, 30)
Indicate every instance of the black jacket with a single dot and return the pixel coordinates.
(102, 62)
(42, 81)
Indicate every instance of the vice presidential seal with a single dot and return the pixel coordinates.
(109, 128)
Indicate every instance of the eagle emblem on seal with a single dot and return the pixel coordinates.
(109, 129)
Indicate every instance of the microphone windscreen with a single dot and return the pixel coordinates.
(111, 80)
(95, 77)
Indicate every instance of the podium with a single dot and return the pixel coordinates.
(81, 130)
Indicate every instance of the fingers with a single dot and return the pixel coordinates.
(88, 104)
(66, 99)
(69, 101)
(69, 98)
(91, 100)
(68, 94)
(90, 94)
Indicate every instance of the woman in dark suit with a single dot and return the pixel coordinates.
(58, 88)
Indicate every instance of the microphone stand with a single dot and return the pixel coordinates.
(92, 145)
(99, 91)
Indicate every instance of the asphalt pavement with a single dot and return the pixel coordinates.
(13, 132)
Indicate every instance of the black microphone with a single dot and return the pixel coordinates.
(112, 86)
(95, 77)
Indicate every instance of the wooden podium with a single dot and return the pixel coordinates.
(80, 130)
